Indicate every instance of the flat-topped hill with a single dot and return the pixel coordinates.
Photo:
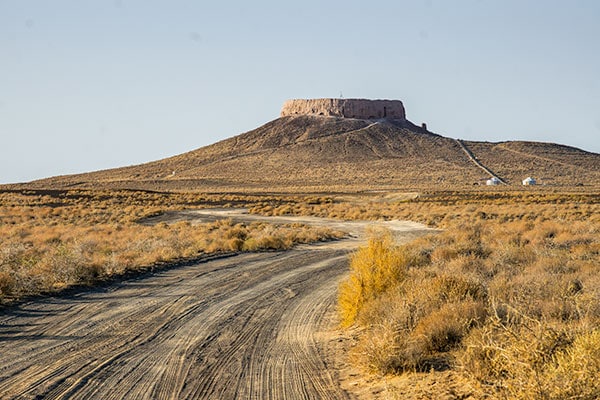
(318, 153)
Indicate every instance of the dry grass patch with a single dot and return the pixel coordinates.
(52, 241)
(511, 305)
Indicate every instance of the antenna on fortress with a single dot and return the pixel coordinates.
(341, 95)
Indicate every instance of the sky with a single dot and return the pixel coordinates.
(96, 84)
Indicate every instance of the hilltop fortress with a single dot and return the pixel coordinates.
(346, 108)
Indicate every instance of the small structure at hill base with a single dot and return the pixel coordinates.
(493, 181)
(345, 108)
(529, 181)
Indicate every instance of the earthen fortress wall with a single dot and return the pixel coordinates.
(347, 108)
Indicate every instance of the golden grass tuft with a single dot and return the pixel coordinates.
(374, 268)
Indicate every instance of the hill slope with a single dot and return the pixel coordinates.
(315, 153)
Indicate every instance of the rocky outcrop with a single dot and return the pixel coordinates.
(347, 108)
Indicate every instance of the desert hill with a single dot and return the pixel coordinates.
(335, 152)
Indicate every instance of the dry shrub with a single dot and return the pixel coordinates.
(380, 350)
(445, 288)
(386, 326)
(470, 267)
(575, 371)
(443, 329)
(513, 305)
(59, 257)
(466, 242)
(407, 338)
(413, 314)
(60, 239)
(394, 308)
(7, 284)
(529, 359)
(373, 269)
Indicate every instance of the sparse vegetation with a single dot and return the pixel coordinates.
(506, 301)
(507, 297)
(441, 209)
(52, 241)
(509, 303)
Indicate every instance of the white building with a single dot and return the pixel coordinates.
(492, 181)
(529, 181)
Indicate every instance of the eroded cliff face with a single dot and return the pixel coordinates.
(347, 108)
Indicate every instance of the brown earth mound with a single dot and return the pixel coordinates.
(315, 153)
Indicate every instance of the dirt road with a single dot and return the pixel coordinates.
(249, 326)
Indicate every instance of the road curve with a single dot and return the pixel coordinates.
(246, 326)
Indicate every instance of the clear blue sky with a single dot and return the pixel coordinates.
(87, 85)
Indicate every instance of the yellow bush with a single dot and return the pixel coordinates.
(373, 269)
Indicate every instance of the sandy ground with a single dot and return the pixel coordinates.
(403, 231)
(249, 326)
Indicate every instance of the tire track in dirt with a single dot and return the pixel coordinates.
(178, 334)
(245, 326)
